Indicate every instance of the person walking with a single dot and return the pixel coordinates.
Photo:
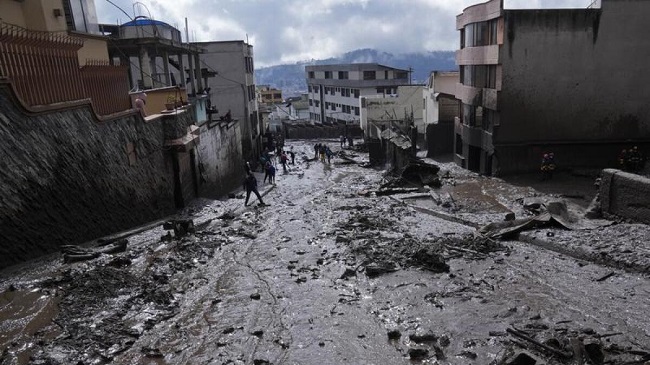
(267, 167)
(322, 152)
(342, 140)
(250, 184)
(283, 160)
(329, 154)
(293, 156)
(271, 174)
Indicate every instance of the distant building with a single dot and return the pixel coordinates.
(440, 111)
(571, 81)
(334, 90)
(403, 109)
(269, 95)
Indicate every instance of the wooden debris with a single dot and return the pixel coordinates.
(524, 336)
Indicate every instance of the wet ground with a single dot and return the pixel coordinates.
(325, 275)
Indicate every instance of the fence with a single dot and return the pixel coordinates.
(107, 86)
(43, 68)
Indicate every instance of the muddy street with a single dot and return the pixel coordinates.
(333, 273)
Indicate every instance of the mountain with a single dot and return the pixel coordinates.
(291, 78)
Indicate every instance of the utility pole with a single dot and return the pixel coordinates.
(410, 75)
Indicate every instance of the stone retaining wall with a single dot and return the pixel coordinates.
(66, 177)
(625, 195)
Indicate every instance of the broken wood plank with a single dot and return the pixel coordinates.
(523, 336)
(605, 277)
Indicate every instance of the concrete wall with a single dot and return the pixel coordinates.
(309, 131)
(625, 195)
(219, 158)
(66, 178)
(595, 91)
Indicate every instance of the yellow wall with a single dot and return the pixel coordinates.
(157, 98)
(93, 49)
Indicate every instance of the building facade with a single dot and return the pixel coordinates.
(440, 111)
(269, 95)
(334, 91)
(232, 88)
(571, 81)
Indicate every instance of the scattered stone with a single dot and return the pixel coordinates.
(255, 296)
(321, 344)
(151, 352)
(423, 337)
(301, 280)
(469, 355)
(394, 335)
(260, 362)
(418, 353)
(376, 269)
(523, 358)
(228, 330)
(429, 260)
(510, 216)
(594, 352)
(348, 273)
(444, 341)
(361, 336)
(258, 333)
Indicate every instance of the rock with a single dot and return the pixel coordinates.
(348, 273)
(228, 330)
(376, 269)
(257, 333)
(595, 354)
(394, 335)
(523, 358)
(427, 259)
(510, 216)
(321, 344)
(418, 353)
(469, 355)
(423, 337)
(444, 341)
(260, 362)
(255, 296)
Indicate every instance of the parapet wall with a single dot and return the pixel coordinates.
(625, 195)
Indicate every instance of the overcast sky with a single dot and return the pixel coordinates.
(287, 31)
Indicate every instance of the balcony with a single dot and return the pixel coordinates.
(484, 55)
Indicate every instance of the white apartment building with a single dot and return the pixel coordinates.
(334, 91)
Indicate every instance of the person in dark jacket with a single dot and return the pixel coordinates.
(250, 184)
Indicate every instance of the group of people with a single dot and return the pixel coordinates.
(321, 151)
(631, 160)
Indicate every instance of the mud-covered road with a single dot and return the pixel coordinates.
(325, 275)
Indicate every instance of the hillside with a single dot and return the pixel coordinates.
(291, 78)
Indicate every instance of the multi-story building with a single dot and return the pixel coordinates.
(334, 90)
(232, 88)
(269, 95)
(440, 111)
(571, 81)
(403, 109)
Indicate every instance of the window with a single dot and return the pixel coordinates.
(479, 75)
(277, 96)
(343, 75)
(328, 74)
(333, 106)
(369, 75)
(326, 90)
(309, 88)
(386, 75)
(356, 93)
(488, 117)
(316, 103)
(356, 110)
(479, 34)
(311, 74)
(311, 102)
(459, 145)
(345, 92)
(402, 75)
(380, 90)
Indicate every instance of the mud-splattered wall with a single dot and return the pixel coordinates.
(219, 158)
(574, 80)
(625, 195)
(66, 178)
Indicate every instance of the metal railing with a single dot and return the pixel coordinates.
(43, 68)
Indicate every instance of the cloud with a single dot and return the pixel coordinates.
(287, 31)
